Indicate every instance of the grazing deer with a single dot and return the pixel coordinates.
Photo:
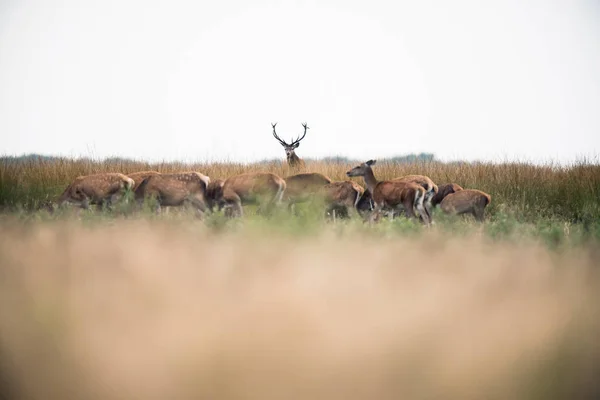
(392, 194)
(430, 189)
(341, 197)
(178, 189)
(456, 200)
(303, 187)
(262, 188)
(444, 190)
(99, 189)
(293, 160)
(138, 177)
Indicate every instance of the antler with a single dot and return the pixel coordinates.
(297, 141)
(283, 143)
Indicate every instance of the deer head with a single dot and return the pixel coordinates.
(362, 169)
(289, 148)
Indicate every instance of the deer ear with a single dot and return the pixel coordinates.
(296, 145)
(371, 162)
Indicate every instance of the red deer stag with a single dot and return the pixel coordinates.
(178, 189)
(397, 195)
(262, 188)
(99, 189)
(293, 160)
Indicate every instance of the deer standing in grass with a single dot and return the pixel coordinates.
(295, 162)
(341, 197)
(431, 190)
(262, 188)
(398, 195)
(365, 203)
(99, 189)
(302, 187)
(453, 199)
(178, 189)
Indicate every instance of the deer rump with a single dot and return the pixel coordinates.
(96, 189)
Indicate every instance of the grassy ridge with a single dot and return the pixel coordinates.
(528, 191)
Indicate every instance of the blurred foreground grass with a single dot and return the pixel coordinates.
(165, 307)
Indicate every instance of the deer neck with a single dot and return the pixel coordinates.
(370, 180)
(293, 160)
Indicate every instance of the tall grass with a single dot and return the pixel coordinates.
(530, 192)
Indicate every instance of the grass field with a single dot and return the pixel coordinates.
(114, 305)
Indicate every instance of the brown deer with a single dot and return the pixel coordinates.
(444, 190)
(178, 189)
(138, 177)
(398, 195)
(262, 188)
(341, 197)
(456, 200)
(430, 189)
(99, 189)
(293, 160)
(302, 187)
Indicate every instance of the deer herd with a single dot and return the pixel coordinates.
(413, 195)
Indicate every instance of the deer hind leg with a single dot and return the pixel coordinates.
(478, 212)
(233, 206)
(279, 195)
(85, 203)
(427, 204)
(409, 207)
(198, 203)
(418, 205)
(277, 199)
(376, 214)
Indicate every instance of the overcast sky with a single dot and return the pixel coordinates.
(203, 80)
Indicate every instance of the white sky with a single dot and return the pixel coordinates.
(203, 80)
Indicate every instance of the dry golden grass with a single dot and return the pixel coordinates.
(141, 309)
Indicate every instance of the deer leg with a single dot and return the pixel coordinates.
(85, 204)
(478, 213)
(376, 212)
(233, 206)
(424, 217)
(409, 209)
(115, 197)
(199, 205)
(428, 206)
(275, 201)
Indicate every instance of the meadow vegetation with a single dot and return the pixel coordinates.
(120, 304)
